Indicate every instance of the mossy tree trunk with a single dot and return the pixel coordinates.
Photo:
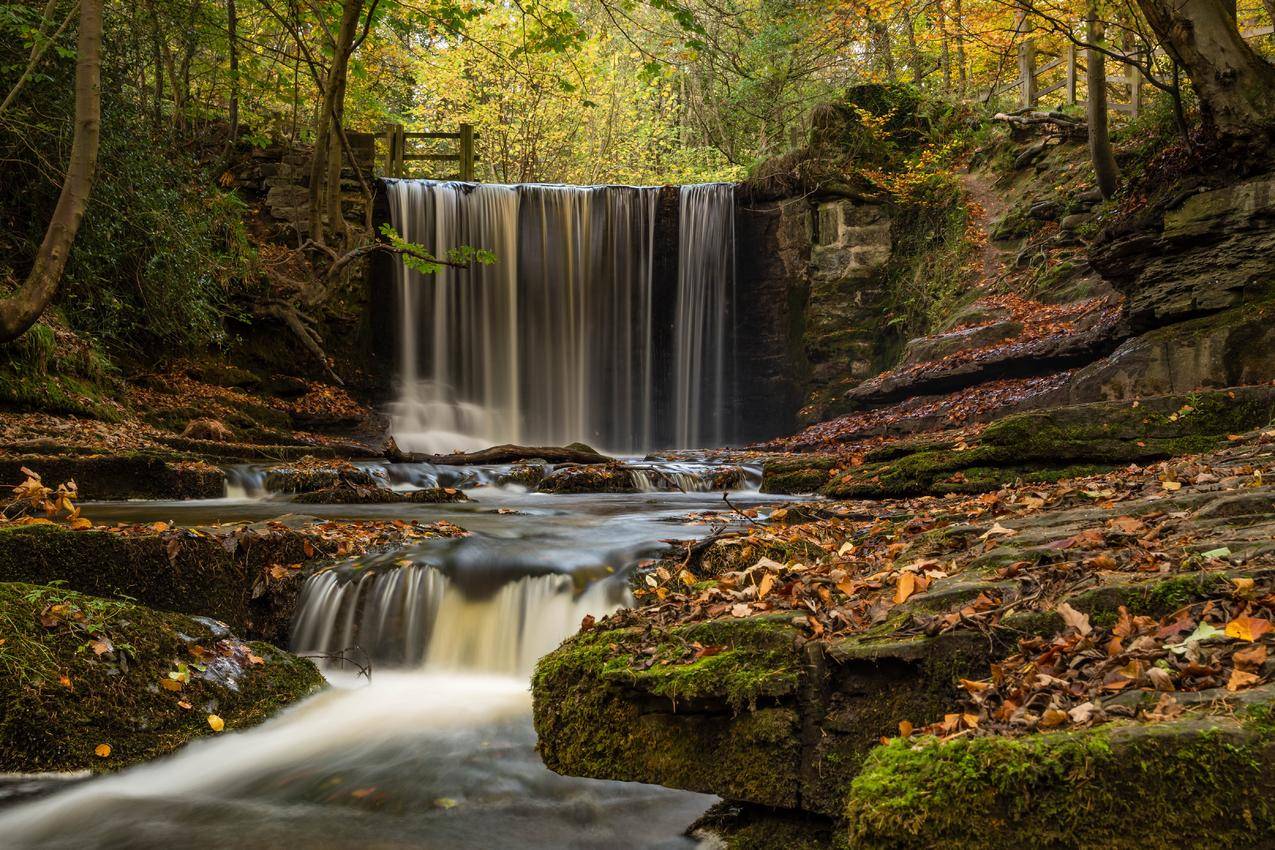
(1236, 86)
(1104, 161)
(20, 311)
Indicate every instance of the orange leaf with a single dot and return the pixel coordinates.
(905, 588)
(1240, 679)
(1247, 628)
(102, 751)
(216, 723)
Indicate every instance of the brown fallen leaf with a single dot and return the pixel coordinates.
(1250, 659)
(1239, 679)
(1074, 619)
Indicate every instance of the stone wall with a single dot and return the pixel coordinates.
(278, 178)
(811, 283)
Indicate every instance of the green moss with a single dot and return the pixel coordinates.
(702, 728)
(1184, 784)
(59, 699)
(797, 474)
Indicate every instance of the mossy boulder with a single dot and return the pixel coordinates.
(180, 570)
(589, 478)
(725, 722)
(1194, 782)
(78, 672)
(310, 475)
(741, 826)
(797, 474)
(127, 475)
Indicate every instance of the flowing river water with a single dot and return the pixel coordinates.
(436, 750)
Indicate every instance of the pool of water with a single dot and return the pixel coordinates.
(436, 750)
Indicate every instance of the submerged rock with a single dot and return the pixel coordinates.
(88, 683)
(590, 478)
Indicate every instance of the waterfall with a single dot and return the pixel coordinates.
(562, 338)
(705, 291)
(413, 616)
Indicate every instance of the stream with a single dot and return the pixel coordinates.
(435, 749)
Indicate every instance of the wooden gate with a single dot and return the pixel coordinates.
(397, 153)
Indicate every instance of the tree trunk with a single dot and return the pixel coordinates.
(1104, 161)
(914, 54)
(331, 111)
(232, 33)
(21, 310)
(1236, 86)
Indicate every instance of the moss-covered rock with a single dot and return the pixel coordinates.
(174, 570)
(127, 475)
(590, 478)
(1195, 782)
(1060, 443)
(78, 672)
(797, 474)
(724, 723)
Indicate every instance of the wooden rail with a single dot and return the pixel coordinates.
(1031, 84)
(397, 155)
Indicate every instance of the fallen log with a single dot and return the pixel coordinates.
(508, 453)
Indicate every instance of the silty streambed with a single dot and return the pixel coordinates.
(437, 750)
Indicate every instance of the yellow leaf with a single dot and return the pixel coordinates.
(1171, 485)
(102, 751)
(1247, 628)
(81, 523)
(1242, 585)
(170, 684)
(216, 723)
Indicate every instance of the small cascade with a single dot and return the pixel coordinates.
(413, 616)
(567, 336)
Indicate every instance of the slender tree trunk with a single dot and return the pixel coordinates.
(330, 112)
(958, 26)
(232, 33)
(1236, 86)
(21, 310)
(914, 54)
(1104, 161)
(945, 54)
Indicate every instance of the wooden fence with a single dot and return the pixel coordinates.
(1060, 72)
(397, 153)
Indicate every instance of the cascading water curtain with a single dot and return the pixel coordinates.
(551, 344)
(556, 342)
(705, 295)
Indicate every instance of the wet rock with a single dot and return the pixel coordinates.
(591, 478)
(523, 475)
(309, 474)
(85, 681)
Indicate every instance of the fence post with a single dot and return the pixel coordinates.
(1071, 74)
(467, 152)
(1027, 65)
(389, 151)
